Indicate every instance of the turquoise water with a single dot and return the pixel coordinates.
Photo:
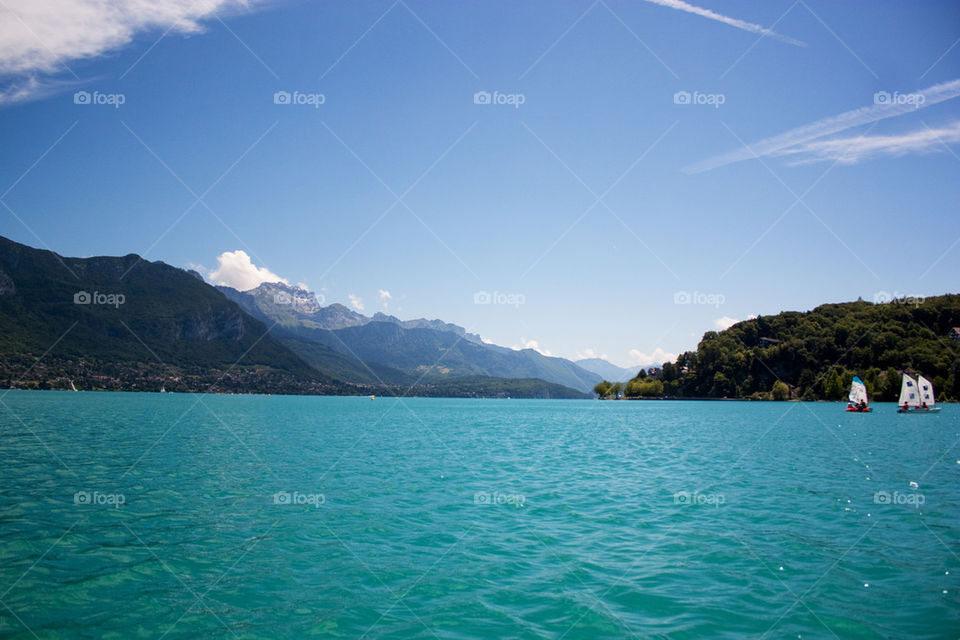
(180, 516)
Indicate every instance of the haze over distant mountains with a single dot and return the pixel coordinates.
(607, 370)
(128, 324)
(383, 347)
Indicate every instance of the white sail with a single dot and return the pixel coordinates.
(908, 392)
(858, 391)
(926, 391)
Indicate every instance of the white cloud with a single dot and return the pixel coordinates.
(590, 354)
(355, 302)
(658, 357)
(199, 268)
(33, 88)
(853, 149)
(781, 143)
(384, 294)
(733, 22)
(44, 35)
(532, 344)
(236, 270)
(725, 322)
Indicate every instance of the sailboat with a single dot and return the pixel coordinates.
(858, 397)
(72, 386)
(916, 396)
(163, 389)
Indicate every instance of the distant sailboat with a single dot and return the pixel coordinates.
(163, 389)
(72, 386)
(916, 396)
(858, 397)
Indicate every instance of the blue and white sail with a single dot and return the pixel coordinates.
(926, 391)
(908, 392)
(858, 391)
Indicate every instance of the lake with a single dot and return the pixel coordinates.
(127, 515)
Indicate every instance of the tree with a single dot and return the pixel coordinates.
(817, 352)
(780, 391)
(722, 386)
(616, 389)
(669, 372)
(644, 388)
(602, 388)
(833, 386)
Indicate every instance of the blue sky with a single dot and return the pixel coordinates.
(591, 212)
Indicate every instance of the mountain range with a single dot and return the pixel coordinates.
(387, 349)
(127, 323)
(607, 370)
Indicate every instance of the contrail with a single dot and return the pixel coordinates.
(733, 22)
(834, 124)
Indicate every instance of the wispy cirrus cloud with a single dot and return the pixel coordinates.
(743, 25)
(796, 139)
(33, 88)
(853, 149)
(43, 37)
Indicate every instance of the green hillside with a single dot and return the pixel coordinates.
(816, 353)
(126, 323)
